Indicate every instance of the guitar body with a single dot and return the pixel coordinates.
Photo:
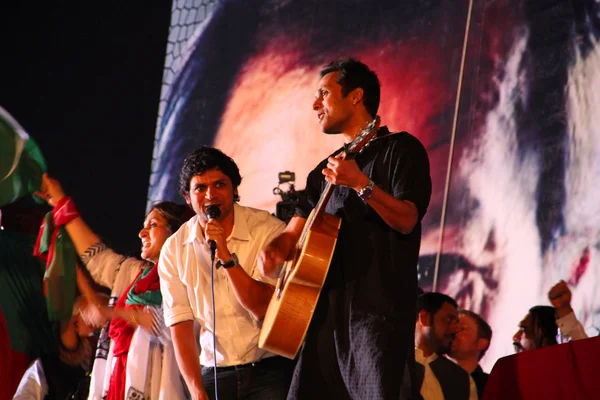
(298, 288)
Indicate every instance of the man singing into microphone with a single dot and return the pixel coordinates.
(209, 183)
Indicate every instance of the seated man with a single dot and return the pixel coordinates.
(435, 330)
(540, 326)
(471, 342)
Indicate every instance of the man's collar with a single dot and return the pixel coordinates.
(240, 226)
(195, 230)
(420, 357)
(383, 131)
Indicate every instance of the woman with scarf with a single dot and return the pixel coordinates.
(135, 356)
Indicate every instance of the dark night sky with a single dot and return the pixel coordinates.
(84, 80)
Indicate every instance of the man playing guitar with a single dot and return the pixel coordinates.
(360, 342)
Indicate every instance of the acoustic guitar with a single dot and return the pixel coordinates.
(302, 277)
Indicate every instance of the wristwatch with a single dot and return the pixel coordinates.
(366, 192)
(231, 263)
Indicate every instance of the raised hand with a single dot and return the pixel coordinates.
(560, 298)
(214, 230)
(51, 190)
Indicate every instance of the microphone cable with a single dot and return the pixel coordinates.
(212, 290)
(213, 212)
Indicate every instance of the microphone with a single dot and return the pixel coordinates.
(212, 212)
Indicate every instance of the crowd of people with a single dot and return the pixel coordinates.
(450, 341)
(183, 320)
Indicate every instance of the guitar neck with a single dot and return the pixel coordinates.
(350, 151)
(319, 208)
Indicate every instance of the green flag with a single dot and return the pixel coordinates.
(21, 161)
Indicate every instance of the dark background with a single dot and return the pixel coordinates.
(84, 81)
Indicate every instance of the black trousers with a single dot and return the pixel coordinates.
(265, 379)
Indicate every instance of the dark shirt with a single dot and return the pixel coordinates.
(480, 379)
(379, 262)
(453, 379)
(364, 320)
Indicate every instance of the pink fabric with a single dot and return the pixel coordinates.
(564, 371)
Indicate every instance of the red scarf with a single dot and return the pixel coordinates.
(54, 246)
(121, 332)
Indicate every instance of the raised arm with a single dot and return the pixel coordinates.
(103, 264)
(81, 234)
(251, 293)
(560, 298)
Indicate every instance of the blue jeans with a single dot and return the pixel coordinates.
(267, 379)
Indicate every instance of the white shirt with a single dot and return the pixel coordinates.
(431, 389)
(184, 269)
(33, 385)
(570, 328)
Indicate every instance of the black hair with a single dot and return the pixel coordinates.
(544, 318)
(175, 214)
(432, 302)
(203, 159)
(484, 331)
(354, 74)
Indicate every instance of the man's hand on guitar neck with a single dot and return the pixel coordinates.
(345, 173)
(401, 215)
(281, 248)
